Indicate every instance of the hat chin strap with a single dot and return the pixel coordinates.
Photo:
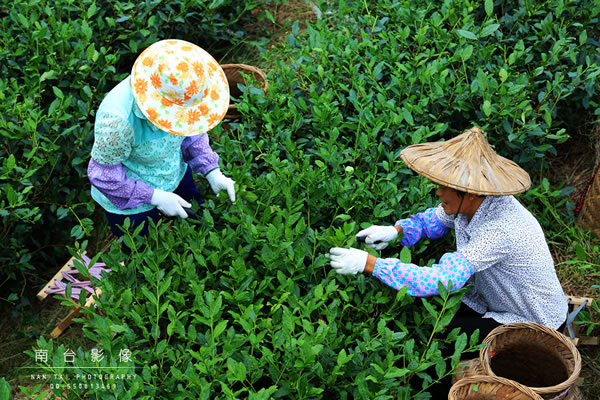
(462, 198)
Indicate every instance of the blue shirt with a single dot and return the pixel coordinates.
(146, 153)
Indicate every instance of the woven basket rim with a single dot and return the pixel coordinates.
(232, 111)
(247, 67)
(475, 379)
(485, 358)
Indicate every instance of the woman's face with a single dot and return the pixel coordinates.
(449, 198)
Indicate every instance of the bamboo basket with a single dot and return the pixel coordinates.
(235, 74)
(589, 216)
(466, 369)
(534, 355)
(483, 387)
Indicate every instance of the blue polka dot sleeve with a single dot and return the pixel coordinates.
(425, 223)
(423, 281)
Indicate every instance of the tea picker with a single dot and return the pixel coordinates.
(501, 249)
(150, 134)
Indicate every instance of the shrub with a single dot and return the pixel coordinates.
(228, 313)
(59, 58)
(400, 73)
(243, 303)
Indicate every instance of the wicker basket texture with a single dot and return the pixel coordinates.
(235, 75)
(484, 387)
(589, 217)
(534, 355)
(467, 368)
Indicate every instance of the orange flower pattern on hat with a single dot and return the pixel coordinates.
(203, 108)
(152, 114)
(179, 87)
(155, 81)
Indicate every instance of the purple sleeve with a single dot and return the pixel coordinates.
(423, 281)
(198, 154)
(113, 182)
(425, 223)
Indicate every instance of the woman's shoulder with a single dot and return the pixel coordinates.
(504, 215)
(514, 222)
(118, 101)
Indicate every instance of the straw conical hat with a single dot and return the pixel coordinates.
(467, 163)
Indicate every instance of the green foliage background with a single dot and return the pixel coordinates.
(58, 59)
(242, 303)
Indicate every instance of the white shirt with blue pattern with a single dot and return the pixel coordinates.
(504, 249)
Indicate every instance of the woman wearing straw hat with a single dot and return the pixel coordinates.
(151, 132)
(501, 249)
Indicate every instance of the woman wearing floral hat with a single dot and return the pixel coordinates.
(501, 249)
(151, 133)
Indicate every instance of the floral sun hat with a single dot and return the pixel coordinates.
(179, 87)
(468, 163)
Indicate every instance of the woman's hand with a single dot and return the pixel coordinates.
(218, 182)
(169, 203)
(378, 237)
(348, 261)
(351, 261)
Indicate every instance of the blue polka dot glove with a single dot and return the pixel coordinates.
(347, 261)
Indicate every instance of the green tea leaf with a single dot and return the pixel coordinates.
(489, 7)
(489, 29)
(220, 328)
(466, 34)
(466, 53)
(118, 328)
(429, 308)
(503, 74)
(546, 184)
(164, 285)
(11, 195)
(149, 295)
(474, 339)
(318, 292)
(405, 255)
(395, 373)
(23, 20)
(5, 389)
(487, 108)
(91, 10)
(57, 92)
(460, 344)
(440, 368)
(10, 164)
(342, 358)
(408, 116)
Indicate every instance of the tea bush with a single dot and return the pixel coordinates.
(399, 73)
(59, 58)
(243, 303)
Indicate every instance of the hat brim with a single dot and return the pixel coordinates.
(467, 163)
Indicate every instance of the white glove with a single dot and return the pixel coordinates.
(169, 203)
(377, 233)
(218, 182)
(348, 261)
